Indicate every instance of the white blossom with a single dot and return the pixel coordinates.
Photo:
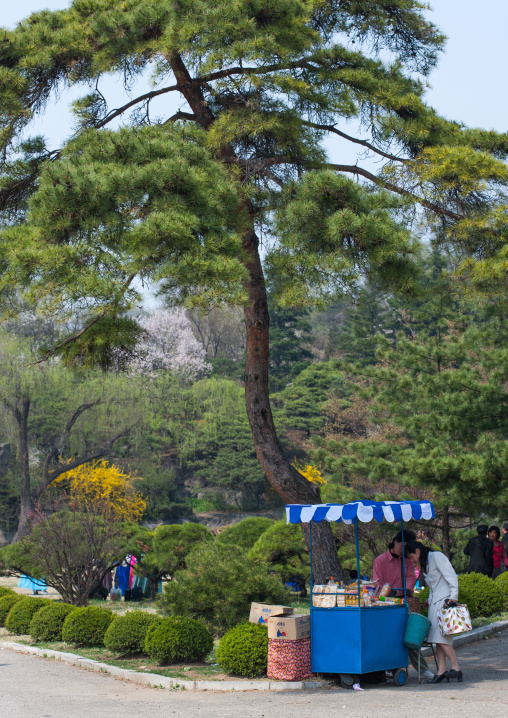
(169, 345)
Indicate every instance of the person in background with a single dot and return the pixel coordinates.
(504, 531)
(443, 591)
(388, 569)
(499, 551)
(480, 552)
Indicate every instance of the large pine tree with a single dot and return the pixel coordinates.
(179, 200)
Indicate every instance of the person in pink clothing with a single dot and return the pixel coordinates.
(388, 566)
(388, 569)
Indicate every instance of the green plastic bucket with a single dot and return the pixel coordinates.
(417, 629)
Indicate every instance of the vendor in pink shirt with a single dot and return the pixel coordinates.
(388, 569)
(388, 566)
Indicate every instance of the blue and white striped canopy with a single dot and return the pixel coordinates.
(364, 510)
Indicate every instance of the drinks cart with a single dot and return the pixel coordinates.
(354, 639)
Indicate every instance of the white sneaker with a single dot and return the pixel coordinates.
(427, 674)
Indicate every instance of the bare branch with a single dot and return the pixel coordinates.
(59, 443)
(98, 454)
(181, 116)
(354, 169)
(364, 143)
(120, 110)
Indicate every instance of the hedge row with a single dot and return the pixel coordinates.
(166, 640)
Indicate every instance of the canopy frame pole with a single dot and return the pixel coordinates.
(403, 559)
(311, 572)
(357, 545)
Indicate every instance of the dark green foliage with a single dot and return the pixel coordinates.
(502, 581)
(6, 592)
(219, 585)
(244, 650)
(178, 638)
(87, 626)
(486, 593)
(22, 612)
(283, 548)
(465, 596)
(6, 603)
(245, 533)
(47, 624)
(169, 546)
(126, 634)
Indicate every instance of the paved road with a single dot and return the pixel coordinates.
(32, 687)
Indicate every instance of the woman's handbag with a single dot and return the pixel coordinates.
(454, 620)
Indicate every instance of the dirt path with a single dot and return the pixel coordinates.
(43, 689)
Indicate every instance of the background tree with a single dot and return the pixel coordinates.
(182, 202)
(98, 482)
(71, 549)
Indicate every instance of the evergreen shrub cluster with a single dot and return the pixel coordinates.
(6, 603)
(502, 581)
(6, 592)
(488, 595)
(218, 586)
(179, 638)
(87, 626)
(245, 533)
(47, 622)
(19, 617)
(244, 650)
(126, 634)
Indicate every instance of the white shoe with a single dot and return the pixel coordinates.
(427, 674)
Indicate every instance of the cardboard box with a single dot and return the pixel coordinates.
(289, 628)
(261, 612)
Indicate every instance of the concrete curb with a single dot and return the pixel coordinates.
(153, 680)
(477, 634)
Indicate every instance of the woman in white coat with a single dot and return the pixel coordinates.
(443, 585)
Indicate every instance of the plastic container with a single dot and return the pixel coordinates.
(417, 629)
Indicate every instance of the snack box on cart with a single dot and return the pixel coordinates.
(289, 628)
(261, 612)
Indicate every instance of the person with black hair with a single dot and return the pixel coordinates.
(388, 570)
(443, 591)
(499, 552)
(480, 552)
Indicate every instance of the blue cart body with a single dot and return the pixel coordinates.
(355, 639)
(358, 640)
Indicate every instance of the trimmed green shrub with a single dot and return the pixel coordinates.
(127, 633)
(87, 626)
(47, 623)
(502, 581)
(464, 597)
(7, 592)
(218, 587)
(178, 639)
(6, 603)
(486, 593)
(244, 650)
(19, 617)
(245, 533)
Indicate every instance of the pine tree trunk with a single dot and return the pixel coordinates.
(291, 486)
(21, 412)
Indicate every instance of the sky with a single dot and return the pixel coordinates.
(468, 84)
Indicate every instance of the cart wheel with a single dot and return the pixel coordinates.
(346, 680)
(399, 677)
